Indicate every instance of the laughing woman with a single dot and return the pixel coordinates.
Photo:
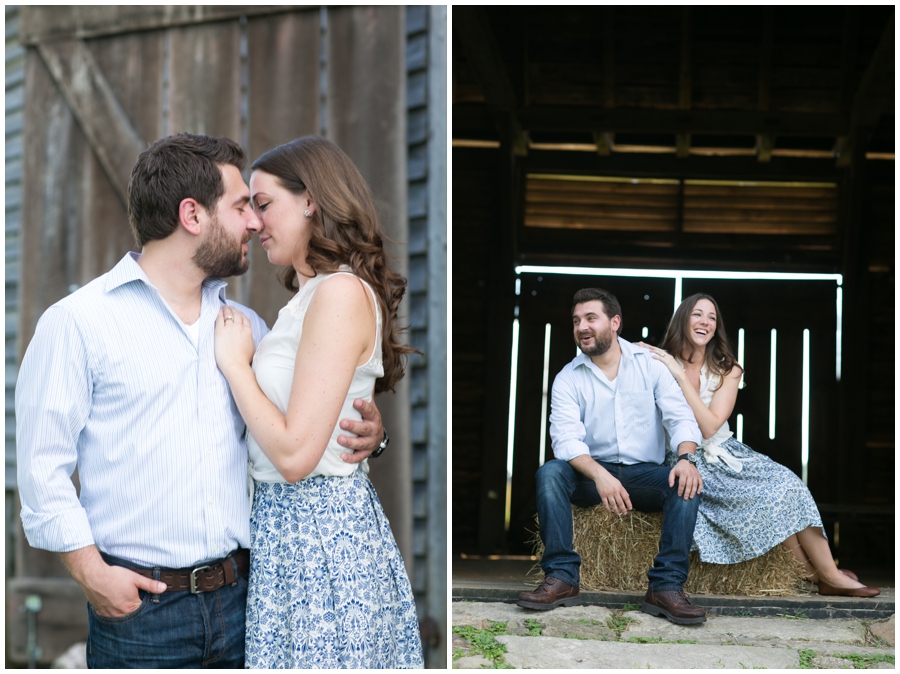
(328, 588)
(750, 503)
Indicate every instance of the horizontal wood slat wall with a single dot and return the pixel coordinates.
(666, 206)
(589, 204)
(765, 209)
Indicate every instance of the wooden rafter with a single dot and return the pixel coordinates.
(874, 95)
(609, 56)
(732, 122)
(476, 37)
(766, 142)
(683, 140)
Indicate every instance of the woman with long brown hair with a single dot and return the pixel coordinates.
(327, 585)
(749, 503)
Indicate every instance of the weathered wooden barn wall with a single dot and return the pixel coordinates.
(15, 99)
(730, 138)
(102, 82)
(426, 100)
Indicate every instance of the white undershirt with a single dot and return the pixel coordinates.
(193, 331)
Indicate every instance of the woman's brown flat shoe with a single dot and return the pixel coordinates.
(831, 591)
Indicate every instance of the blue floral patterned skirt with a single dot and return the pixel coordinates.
(745, 514)
(328, 588)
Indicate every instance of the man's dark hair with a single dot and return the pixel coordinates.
(171, 170)
(611, 306)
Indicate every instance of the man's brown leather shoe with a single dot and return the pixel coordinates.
(674, 605)
(550, 594)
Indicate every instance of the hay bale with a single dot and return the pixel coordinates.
(616, 552)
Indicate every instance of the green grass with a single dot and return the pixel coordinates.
(659, 640)
(631, 607)
(618, 623)
(806, 656)
(861, 661)
(799, 615)
(534, 627)
(483, 643)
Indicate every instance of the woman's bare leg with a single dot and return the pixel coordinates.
(815, 546)
(792, 543)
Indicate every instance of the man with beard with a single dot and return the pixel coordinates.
(611, 408)
(120, 379)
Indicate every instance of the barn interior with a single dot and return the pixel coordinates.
(747, 152)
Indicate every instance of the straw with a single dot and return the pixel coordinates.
(616, 552)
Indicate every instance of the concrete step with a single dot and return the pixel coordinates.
(598, 637)
(810, 605)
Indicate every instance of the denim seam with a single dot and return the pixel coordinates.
(220, 613)
(568, 581)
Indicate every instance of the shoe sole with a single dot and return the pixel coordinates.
(657, 611)
(569, 601)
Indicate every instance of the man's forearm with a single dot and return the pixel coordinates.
(80, 563)
(687, 448)
(586, 465)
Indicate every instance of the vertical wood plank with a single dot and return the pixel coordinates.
(133, 66)
(475, 208)
(205, 90)
(53, 149)
(77, 228)
(47, 270)
(205, 84)
(526, 449)
(283, 63)
(366, 117)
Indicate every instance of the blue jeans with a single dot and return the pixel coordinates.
(173, 630)
(647, 484)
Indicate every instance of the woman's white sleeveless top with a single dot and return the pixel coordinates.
(712, 448)
(709, 382)
(273, 365)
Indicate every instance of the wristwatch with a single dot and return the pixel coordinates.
(689, 456)
(383, 446)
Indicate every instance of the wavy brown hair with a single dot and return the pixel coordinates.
(720, 358)
(344, 231)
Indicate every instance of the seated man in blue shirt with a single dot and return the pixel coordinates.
(611, 409)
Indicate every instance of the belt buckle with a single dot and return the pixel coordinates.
(193, 579)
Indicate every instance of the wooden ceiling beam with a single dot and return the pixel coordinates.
(684, 82)
(683, 140)
(732, 122)
(876, 90)
(473, 29)
(609, 56)
(874, 96)
(604, 142)
(668, 165)
(766, 142)
(848, 58)
(732, 253)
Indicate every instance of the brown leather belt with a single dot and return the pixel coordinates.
(205, 578)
